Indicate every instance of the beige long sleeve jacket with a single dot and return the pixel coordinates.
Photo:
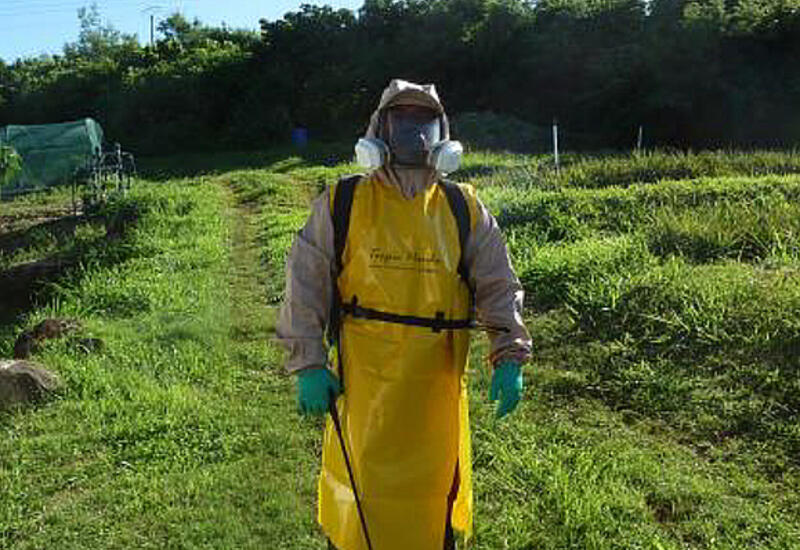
(309, 290)
(309, 271)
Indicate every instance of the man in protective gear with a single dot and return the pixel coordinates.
(395, 265)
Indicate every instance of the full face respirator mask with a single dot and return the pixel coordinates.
(411, 138)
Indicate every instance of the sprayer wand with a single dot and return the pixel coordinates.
(337, 425)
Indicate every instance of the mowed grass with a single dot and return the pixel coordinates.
(667, 311)
(660, 407)
(181, 433)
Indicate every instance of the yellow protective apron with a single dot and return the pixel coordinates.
(404, 411)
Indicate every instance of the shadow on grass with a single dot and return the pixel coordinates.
(173, 337)
(26, 285)
(713, 398)
(282, 159)
(21, 286)
(59, 230)
(472, 172)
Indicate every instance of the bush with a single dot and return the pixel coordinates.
(10, 164)
(550, 273)
(570, 214)
(688, 310)
(488, 130)
(767, 226)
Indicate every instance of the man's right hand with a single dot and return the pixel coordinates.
(507, 386)
(314, 388)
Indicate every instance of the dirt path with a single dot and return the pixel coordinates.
(287, 476)
(253, 317)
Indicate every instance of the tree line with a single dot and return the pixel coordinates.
(693, 73)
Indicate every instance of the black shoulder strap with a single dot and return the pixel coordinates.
(458, 205)
(342, 206)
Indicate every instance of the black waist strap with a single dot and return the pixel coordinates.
(437, 324)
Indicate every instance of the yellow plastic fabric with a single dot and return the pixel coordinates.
(404, 410)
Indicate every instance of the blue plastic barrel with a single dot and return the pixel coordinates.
(300, 137)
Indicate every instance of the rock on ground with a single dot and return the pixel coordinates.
(30, 341)
(24, 382)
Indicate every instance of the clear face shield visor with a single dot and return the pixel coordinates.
(411, 132)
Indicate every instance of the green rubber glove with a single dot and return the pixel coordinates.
(314, 387)
(507, 385)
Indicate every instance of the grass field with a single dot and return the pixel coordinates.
(661, 410)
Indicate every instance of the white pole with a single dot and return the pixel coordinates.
(555, 142)
(639, 140)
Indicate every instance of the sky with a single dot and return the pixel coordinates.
(29, 28)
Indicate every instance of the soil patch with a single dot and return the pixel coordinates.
(19, 285)
(20, 221)
(60, 228)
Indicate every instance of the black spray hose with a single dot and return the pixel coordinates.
(337, 425)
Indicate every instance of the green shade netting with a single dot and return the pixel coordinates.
(51, 153)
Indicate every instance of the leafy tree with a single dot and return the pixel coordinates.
(315, 50)
(177, 27)
(694, 72)
(6, 77)
(97, 40)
